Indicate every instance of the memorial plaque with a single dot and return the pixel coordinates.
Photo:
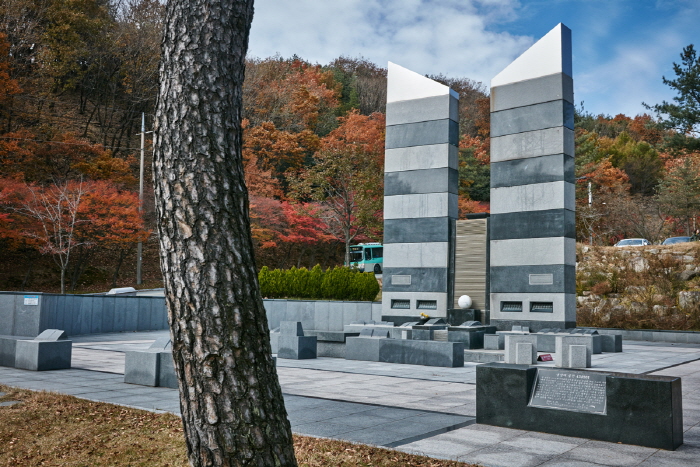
(577, 391)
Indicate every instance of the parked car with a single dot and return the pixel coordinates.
(672, 240)
(633, 242)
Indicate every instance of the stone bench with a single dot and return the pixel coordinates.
(151, 367)
(50, 350)
(411, 352)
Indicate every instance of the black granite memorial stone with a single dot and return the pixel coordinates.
(644, 410)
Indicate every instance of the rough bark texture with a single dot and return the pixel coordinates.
(232, 407)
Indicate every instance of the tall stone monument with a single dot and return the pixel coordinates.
(533, 250)
(420, 196)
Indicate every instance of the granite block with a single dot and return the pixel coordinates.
(494, 341)
(511, 342)
(416, 255)
(296, 348)
(43, 355)
(551, 114)
(141, 367)
(423, 133)
(516, 279)
(536, 197)
(421, 181)
(433, 156)
(579, 357)
(533, 251)
(642, 410)
(611, 342)
(525, 354)
(166, 371)
(527, 171)
(472, 339)
(563, 345)
(558, 86)
(532, 224)
(420, 206)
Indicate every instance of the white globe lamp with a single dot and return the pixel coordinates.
(464, 302)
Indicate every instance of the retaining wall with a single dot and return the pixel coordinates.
(29, 313)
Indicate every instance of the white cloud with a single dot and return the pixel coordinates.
(452, 37)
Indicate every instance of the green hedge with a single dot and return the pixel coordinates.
(339, 283)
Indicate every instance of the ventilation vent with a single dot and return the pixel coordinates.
(511, 307)
(427, 305)
(400, 304)
(541, 307)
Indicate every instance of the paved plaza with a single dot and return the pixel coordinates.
(417, 409)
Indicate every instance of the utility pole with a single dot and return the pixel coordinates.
(139, 249)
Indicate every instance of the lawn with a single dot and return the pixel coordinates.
(48, 429)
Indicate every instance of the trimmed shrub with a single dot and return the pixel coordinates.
(338, 283)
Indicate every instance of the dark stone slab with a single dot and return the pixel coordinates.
(516, 279)
(461, 315)
(532, 117)
(541, 169)
(419, 230)
(533, 224)
(422, 280)
(166, 370)
(421, 134)
(421, 181)
(296, 347)
(639, 409)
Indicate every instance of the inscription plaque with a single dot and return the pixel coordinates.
(577, 391)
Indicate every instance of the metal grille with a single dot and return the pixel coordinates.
(542, 307)
(512, 306)
(427, 305)
(400, 304)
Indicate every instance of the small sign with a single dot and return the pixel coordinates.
(545, 358)
(32, 300)
(577, 391)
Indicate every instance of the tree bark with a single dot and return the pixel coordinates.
(231, 401)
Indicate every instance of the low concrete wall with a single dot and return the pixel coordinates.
(29, 313)
(650, 335)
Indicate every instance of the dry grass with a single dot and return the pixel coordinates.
(48, 429)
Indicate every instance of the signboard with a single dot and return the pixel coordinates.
(577, 391)
(31, 300)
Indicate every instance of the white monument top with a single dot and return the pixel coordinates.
(404, 84)
(549, 55)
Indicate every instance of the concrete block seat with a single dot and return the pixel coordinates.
(151, 367)
(411, 352)
(50, 350)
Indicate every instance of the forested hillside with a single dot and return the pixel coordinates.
(76, 76)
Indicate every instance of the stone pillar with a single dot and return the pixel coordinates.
(533, 249)
(420, 196)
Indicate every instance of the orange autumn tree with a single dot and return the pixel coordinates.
(346, 179)
(60, 218)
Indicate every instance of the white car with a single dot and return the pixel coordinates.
(633, 242)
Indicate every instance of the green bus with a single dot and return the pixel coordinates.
(367, 257)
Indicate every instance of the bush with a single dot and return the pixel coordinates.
(339, 283)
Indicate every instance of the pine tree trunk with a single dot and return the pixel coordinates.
(232, 407)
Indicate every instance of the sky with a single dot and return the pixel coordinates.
(621, 48)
